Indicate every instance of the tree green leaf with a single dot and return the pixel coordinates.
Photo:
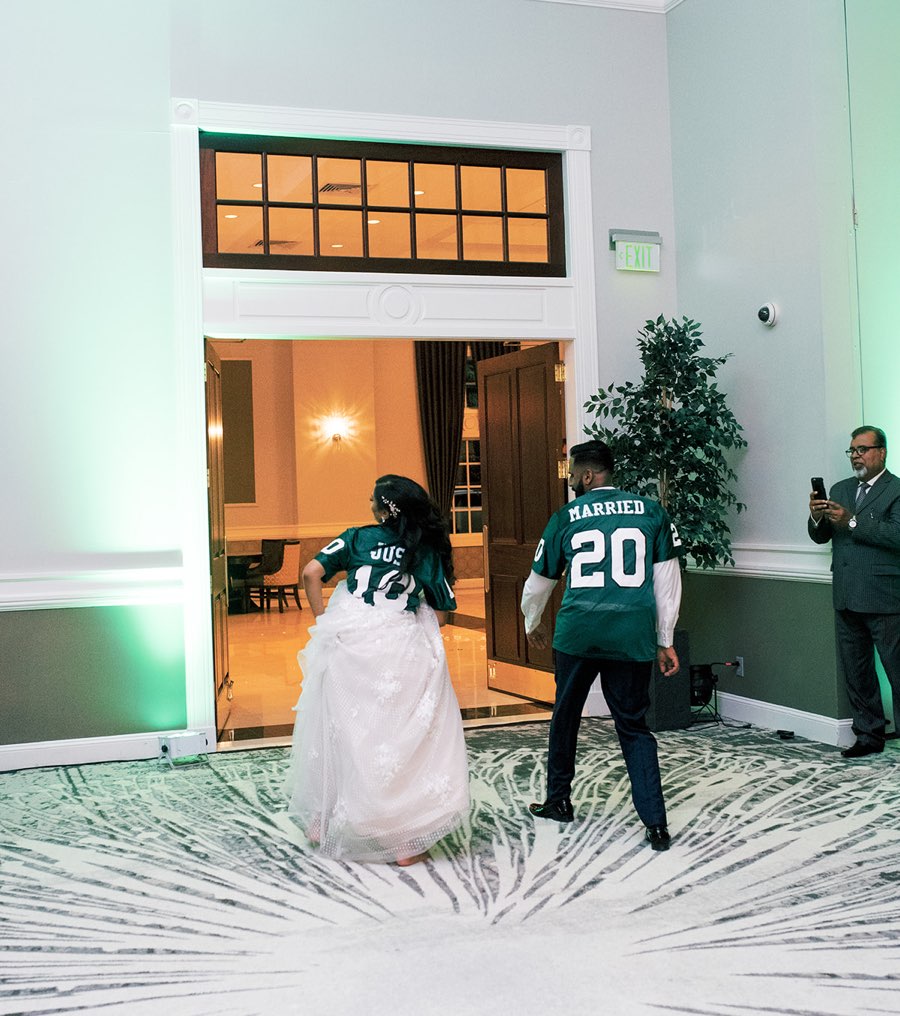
(675, 423)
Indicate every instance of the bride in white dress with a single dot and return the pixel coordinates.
(379, 769)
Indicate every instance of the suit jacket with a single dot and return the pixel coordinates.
(865, 561)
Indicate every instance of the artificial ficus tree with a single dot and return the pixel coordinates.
(669, 434)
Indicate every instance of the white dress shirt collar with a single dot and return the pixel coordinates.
(871, 483)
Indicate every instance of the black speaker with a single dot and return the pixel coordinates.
(670, 697)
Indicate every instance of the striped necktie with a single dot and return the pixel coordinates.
(861, 492)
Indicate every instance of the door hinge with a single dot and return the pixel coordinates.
(207, 479)
(562, 469)
(855, 215)
(559, 372)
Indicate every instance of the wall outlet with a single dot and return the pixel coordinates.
(739, 669)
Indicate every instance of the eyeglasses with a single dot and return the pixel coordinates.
(861, 449)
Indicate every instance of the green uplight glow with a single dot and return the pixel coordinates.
(155, 636)
(872, 31)
(104, 670)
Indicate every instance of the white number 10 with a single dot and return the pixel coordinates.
(594, 542)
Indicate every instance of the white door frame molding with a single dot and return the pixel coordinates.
(224, 303)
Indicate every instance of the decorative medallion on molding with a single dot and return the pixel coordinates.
(394, 305)
(579, 138)
(185, 111)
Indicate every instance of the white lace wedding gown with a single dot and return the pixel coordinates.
(379, 769)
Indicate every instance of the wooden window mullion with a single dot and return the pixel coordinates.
(553, 264)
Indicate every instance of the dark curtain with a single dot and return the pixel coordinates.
(485, 350)
(441, 381)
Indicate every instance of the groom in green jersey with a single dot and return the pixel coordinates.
(619, 553)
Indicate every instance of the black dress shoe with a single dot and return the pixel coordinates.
(558, 811)
(861, 749)
(658, 837)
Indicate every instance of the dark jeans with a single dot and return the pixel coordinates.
(626, 688)
(858, 635)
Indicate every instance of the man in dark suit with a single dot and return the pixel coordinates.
(862, 519)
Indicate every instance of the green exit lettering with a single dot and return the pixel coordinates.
(637, 257)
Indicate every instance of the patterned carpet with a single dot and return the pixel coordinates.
(135, 888)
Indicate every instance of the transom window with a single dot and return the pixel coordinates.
(337, 205)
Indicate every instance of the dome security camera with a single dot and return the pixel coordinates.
(768, 314)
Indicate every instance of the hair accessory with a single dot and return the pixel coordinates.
(393, 510)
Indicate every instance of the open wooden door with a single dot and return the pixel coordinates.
(218, 563)
(521, 423)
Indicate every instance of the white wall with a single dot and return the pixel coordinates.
(93, 467)
(88, 413)
(873, 29)
(507, 60)
(87, 320)
(761, 169)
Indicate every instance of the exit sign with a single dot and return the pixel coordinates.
(637, 257)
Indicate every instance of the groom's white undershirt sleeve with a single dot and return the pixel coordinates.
(667, 593)
(535, 595)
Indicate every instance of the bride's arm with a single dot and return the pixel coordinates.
(312, 585)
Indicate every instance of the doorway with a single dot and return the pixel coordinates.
(311, 484)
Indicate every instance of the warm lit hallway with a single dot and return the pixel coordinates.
(263, 649)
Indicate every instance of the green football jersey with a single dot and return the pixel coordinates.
(606, 542)
(371, 557)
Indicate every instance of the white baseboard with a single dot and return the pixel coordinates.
(130, 747)
(823, 729)
(85, 750)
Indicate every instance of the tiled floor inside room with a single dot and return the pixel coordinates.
(263, 646)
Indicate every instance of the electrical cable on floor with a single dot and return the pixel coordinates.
(704, 690)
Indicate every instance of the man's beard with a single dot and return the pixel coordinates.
(578, 489)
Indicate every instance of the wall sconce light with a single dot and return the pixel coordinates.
(335, 428)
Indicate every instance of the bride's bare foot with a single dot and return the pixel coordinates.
(404, 862)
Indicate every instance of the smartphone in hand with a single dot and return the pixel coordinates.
(818, 488)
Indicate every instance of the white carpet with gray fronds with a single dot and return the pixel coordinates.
(133, 888)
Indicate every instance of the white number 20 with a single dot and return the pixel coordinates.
(594, 553)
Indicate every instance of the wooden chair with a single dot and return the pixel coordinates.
(272, 558)
(285, 580)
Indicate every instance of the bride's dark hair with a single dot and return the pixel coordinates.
(416, 520)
